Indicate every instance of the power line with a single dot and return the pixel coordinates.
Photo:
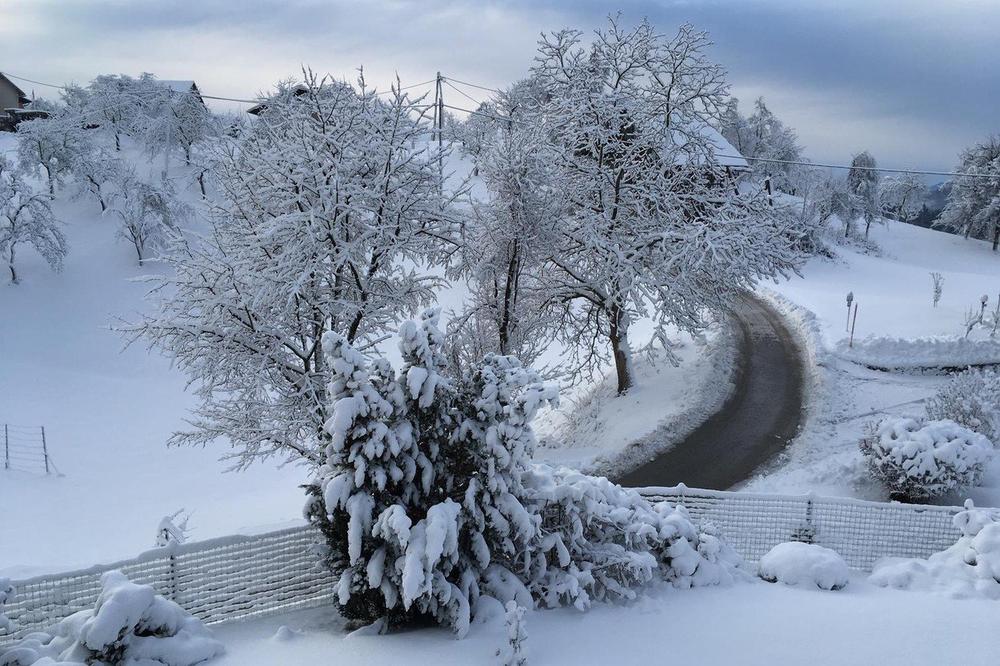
(461, 92)
(448, 81)
(860, 168)
(472, 85)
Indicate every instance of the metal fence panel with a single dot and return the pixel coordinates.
(236, 577)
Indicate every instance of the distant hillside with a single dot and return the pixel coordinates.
(933, 204)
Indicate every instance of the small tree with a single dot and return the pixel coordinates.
(901, 196)
(919, 460)
(515, 652)
(938, 281)
(52, 145)
(147, 213)
(6, 596)
(763, 135)
(973, 206)
(863, 186)
(27, 218)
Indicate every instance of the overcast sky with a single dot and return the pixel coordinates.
(911, 80)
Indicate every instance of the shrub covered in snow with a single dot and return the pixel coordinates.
(795, 563)
(918, 460)
(514, 653)
(6, 595)
(428, 498)
(130, 624)
(971, 399)
(970, 568)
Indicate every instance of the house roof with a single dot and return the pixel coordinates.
(24, 97)
(180, 86)
(258, 109)
(724, 152)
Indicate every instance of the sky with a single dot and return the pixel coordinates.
(912, 81)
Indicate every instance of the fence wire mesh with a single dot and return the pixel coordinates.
(237, 577)
(862, 532)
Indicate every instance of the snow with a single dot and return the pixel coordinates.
(970, 568)
(107, 413)
(861, 624)
(894, 290)
(805, 564)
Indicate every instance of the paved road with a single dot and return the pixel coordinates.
(759, 419)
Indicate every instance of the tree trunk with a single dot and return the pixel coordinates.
(996, 237)
(509, 298)
(620, 349)
(118, 143)
(10, 264)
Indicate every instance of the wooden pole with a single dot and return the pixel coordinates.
(854, 321)
(45, 450)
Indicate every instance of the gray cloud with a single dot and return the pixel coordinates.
(913, 81)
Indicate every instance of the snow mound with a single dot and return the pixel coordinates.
(970, 568)
(795, 563)
(933, 352)
(130, 624)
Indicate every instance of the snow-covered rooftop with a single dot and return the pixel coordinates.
(179, 86)
(725, 154)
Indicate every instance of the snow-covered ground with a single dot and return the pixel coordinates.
(757, 623)
(894, 293)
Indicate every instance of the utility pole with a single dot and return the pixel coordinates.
(439, 125)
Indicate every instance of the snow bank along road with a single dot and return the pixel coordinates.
(759, 419)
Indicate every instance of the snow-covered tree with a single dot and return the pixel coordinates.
(26, 217)
(428, 499)
(6, 596)
(919, 460)
(973, 206)
(901, 196)
(116, 104)
(763, 135)
(96, 173)
(129, 624)
(52, 145)
(514, 652)
(147, 214)
(652, 229)
(180, 121)
(863, 186)
(327, 206)
(508, 241)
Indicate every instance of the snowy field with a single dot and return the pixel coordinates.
(894, 293)
(860, 624)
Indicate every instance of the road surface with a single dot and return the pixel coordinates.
(757, 422)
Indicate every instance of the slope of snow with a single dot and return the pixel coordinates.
(107, 414)
(894, 293)
(860, 624)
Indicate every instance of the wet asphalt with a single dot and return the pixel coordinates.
(761, 416)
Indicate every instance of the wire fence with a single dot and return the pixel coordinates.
(242, 576)
(25, 448)
(861, 532)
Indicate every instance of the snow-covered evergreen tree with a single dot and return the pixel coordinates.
(973, 206)
(863, 186)
(26, 217)
(428, 498)
(970, 398)
(327, 207)
(648, 215)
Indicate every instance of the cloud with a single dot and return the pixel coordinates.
(911, 80)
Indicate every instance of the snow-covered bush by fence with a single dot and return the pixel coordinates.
(428, 498)
(971, 399)
(919, 460)
(130, 624)
(970, 568)
(6, 594)
(796, 563)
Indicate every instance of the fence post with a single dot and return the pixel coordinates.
(6, 447)
(45, 450)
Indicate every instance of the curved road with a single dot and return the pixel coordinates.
(756, 422)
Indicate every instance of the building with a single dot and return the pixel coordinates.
(296, 91)
(183, 87)
(11, 97)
